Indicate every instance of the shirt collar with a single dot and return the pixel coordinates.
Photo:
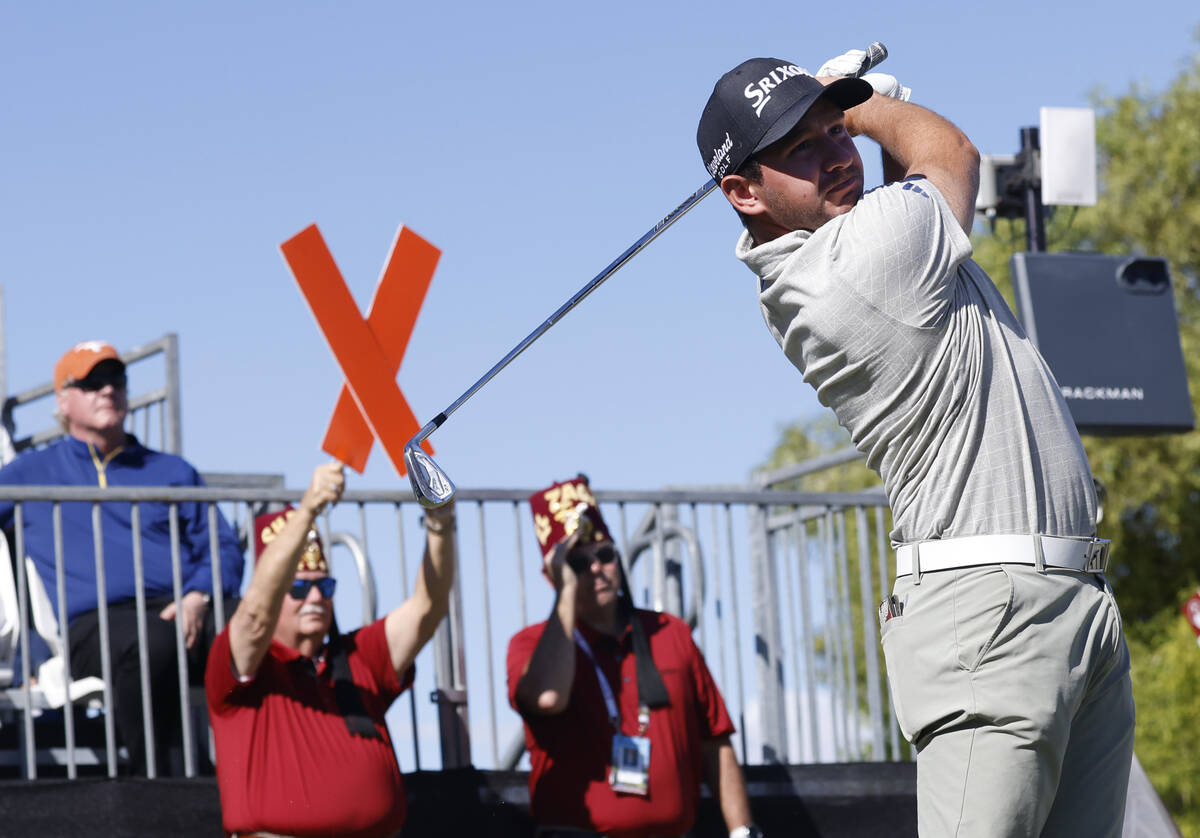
(595, 636)
(288, 655)
(767, 259)
(80, 448)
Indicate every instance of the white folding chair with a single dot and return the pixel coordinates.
(51, 675)
(10, 621)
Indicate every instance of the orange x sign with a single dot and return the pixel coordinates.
(369, 352)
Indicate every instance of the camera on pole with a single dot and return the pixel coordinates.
(1105, 324)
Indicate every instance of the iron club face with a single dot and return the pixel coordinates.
(429, 483)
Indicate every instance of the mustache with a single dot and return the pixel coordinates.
(310, 608)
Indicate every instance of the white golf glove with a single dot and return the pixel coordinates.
(888, 85)
(849, 63)
(846, 64)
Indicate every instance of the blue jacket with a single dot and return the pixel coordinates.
(70, 462)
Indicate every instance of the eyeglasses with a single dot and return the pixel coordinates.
(300, 588)
(581, 560)
(98, 380)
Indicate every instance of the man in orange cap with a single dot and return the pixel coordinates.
(622, 717)
(297, 709)
(90, 383)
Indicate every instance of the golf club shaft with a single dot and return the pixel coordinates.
(875, 53)
(580, 295)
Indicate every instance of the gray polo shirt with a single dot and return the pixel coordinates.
(923, 362)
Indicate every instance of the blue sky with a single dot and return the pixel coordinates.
(156, 155)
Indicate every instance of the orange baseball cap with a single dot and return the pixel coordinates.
(81, 359)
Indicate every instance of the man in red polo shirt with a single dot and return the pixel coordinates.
(622, 717)
(302, 746)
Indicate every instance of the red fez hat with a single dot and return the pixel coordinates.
(563, 508)
(268, 525)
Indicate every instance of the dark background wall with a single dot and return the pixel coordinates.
(861, 799)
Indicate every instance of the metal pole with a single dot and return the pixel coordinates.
(885, 589)
(808, 639)
(174, 391)
(832, 636)
(668, 519)
(791, 606)
(412, 694)
(65, 637)
(139, 572)
(767, 639)
(870, 632)
(699, 601)
(737, 634)
(214, 558)
(720, 617)
(487, 636)
(181, 661)
(450, 664)
(23, 610)
(849, 661)
(520, 554)
(660, 563)
(3, 356)
(1035, 225)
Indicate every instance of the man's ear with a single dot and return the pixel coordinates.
(742, 193)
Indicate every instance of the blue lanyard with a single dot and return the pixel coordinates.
(610, 701)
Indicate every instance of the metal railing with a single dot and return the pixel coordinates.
(780, 588)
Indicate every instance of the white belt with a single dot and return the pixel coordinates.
(1086, 555)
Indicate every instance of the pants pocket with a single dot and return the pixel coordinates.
(983, 600)
(892, 660)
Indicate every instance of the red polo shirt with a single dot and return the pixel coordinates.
(286, 762)
(571, 752)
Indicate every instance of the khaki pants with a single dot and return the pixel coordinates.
(1013, 686)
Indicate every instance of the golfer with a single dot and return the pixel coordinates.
(1008, 668)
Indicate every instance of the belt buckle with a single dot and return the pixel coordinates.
(1096, 556)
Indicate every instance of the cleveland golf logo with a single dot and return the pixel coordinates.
(759, 94)
(720, 160)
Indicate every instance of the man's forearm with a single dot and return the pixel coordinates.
(725, 781)
(915, 141)
(436, 578)
(545, 687)
(253, 624)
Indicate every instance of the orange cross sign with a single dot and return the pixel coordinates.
(368, 351)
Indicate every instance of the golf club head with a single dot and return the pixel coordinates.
(429, 483)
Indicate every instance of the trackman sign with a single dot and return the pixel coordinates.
(759, 94)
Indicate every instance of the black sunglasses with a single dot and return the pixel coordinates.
(579, 560)
(99, 380)
(300, 588)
